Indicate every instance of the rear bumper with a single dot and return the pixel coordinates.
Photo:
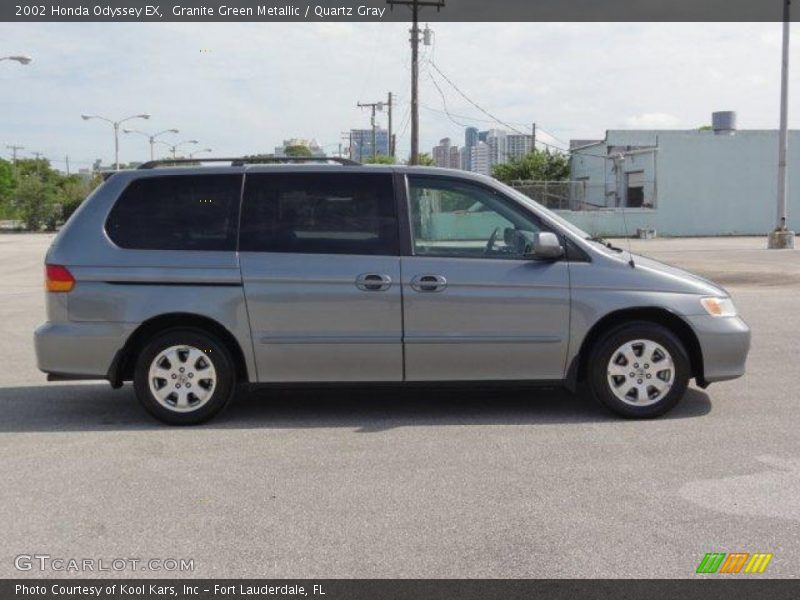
(724, 343)
(73, 350)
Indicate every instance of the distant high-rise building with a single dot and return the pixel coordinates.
(518, 145)
(470, 139)
(361, 143)
(442, 153)
(482, 136)
(497, 141)
(479, 159)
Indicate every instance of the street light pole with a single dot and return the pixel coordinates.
(191, 154)
(23, 60)
(115, 125)
(781, 237)
(151, 138)
(174, 147)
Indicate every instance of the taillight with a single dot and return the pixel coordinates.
(58, 279)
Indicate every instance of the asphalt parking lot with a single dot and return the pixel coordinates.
(377, 483)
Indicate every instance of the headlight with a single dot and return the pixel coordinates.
(719, 307)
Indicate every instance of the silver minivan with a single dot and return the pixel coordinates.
(190, 280)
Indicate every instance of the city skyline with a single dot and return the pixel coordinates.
(574, 80)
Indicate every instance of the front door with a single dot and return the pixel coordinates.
(474, 307)
(321, 271)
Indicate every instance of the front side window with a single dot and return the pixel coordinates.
(180, 212)
(461, 219)
(319, 213)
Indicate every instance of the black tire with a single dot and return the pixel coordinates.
(599, 363)
(221, 390)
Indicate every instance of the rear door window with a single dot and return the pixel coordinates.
(319, 213)
(180, 212)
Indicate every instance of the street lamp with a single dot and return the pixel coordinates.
(173, 148)
(191, 154)
(116, 125)
(151, 138)
(23, 60)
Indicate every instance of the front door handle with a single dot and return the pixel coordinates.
(428, 283)
(373, 282)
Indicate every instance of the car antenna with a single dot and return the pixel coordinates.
(618, 164)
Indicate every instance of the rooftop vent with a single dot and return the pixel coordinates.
(724, 122)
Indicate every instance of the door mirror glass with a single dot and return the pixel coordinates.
(546, 246)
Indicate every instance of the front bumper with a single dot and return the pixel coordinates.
(724, 343)
(73, 350)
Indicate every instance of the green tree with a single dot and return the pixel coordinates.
(379, 159)
(72, 191)
(538, 165)
(7, 182)
(34, 202)
(298, 150)
(426, 160)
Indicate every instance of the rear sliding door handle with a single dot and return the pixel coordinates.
(373, 282)
(428, 283)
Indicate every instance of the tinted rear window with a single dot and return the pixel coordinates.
(180, 212)
(319, 213)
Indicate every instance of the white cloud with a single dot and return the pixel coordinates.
(653, 121)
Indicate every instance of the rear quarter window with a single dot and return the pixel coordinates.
(177, 212)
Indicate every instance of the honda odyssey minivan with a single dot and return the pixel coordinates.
(189, 280)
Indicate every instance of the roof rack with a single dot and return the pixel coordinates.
(238, 162)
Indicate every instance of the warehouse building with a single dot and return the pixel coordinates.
(715, 181)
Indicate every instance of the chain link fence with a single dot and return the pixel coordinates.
(582, 195)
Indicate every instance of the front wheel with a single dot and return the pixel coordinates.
(639, 370)
(184, 376)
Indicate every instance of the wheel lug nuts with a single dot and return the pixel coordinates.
(635, 365)
(174, 376)
(633, 374)
(191, 374)
(181, 369)
(177, 385)
(638, 381)
(649, 376)
(647, 366)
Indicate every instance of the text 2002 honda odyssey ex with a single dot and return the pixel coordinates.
(189, 280)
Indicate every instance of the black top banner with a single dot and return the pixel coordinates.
(397, 589)
(397, 10)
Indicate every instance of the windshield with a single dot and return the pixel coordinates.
(561, 221)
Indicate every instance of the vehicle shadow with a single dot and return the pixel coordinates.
(96, 407)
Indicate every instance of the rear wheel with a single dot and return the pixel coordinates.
(184, 376)
(639, 370)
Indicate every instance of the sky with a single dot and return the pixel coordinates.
(242, 88)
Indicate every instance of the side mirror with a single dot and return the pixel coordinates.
(546, 246)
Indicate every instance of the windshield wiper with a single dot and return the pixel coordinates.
(605, 243)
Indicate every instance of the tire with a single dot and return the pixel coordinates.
(184, 376)
(639, 370)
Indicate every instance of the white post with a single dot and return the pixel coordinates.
(781, 237)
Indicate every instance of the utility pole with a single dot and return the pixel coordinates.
(66, 160)
(415, 6)
(533, 138)
(14, 150)
(373, 106)
(389, 126)
(782, 237)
